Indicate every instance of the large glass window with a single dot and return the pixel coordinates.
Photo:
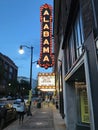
(67, 59)
(71, 49)
(79, 34)
(74, 47)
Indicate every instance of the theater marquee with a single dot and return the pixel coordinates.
(46, 81)
(46, 56)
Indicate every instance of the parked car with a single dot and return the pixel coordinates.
(17, 106)
(3, 99)
(7, 113)
(9, 98)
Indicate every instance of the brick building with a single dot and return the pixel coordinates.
(76, 62)
(8, 72)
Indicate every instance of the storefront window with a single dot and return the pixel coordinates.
(82, 105)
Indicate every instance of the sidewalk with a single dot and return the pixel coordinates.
(58, 121)
(44, 118)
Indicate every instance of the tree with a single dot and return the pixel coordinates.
(24, 87)
(12, 88)
(16, 88)
(1, 72)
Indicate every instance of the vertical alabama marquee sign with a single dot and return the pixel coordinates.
(46, 57)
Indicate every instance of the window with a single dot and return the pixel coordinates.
(10, 69)
(84, 106)
(75, 42)
(6, 66)
(1, 62)
(67, 59)
(83, 109)
(79, 35)
(71, 49)
(10, 76)
(5, 74)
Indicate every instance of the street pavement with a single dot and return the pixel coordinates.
(44, 118)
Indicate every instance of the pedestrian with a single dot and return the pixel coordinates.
(48, 101)
(21, 112)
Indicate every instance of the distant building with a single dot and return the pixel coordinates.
(8, 72)
(34, 82)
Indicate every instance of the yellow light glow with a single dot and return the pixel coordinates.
(50, 90)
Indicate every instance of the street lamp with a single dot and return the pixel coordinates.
(21, 51)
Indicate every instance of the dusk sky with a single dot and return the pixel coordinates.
(20, 25)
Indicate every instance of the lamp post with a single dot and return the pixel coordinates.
(21, 51)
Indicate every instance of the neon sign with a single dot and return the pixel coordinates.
(46, 57)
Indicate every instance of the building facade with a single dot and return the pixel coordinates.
(76, 62)
(8, 73)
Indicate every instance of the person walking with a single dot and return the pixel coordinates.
(47, 101)
(21, 112)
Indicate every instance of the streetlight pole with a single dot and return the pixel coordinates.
(21, 51)
(31, 67)
(29, 113)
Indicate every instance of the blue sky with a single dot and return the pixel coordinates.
(20, 25)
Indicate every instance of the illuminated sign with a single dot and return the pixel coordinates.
(46, 57)
(46, 81)
(85, 118)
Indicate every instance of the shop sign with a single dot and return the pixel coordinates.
(46, 81)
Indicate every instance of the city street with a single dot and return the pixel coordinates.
(44, 118)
